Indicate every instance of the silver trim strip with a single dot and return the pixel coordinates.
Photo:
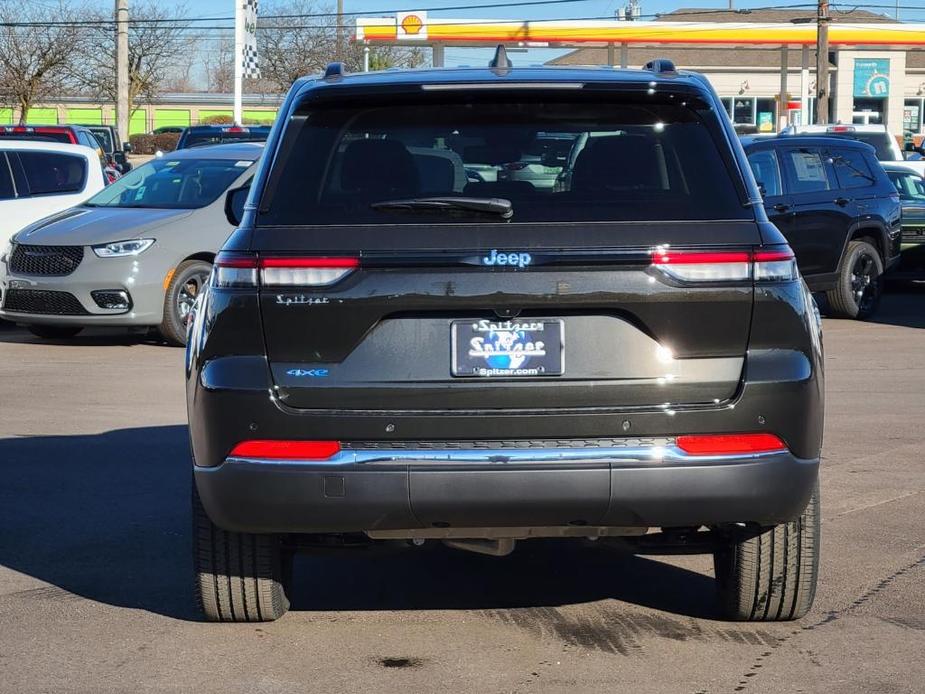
(506, 456)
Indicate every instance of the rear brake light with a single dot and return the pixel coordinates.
(235, 129)
(234, 270)
(775, 266)
(240, 270)
(729, 444)
(286, 450)
(312, 272)
(841, 129)
(726, 266)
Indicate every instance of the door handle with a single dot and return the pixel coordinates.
(841, 202)
(781, 207)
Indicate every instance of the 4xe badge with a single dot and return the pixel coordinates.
(496, 257)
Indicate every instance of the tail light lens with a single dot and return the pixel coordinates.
(729, 444)
(286, 450)
(234, 270)
(726, 266)
(775, 266)
(311, 272)
(242, 270)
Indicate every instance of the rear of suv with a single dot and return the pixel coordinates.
(631, 357)
(839, 211)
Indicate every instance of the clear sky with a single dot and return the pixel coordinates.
(910, 10)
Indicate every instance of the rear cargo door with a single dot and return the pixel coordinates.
(394, 276)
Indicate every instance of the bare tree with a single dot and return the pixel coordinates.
(293, 46)
(159, 47)
(218, 64)
(35, 51)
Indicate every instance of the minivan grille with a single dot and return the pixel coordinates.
(43, 301)
(45, 260)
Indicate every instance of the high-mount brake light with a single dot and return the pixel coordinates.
(841, 129)
(300, 272)
(726, 266)
(730, 444)
(286, 450)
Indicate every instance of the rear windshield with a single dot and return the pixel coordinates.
(202, 139)
(554, 162)
(879, 141)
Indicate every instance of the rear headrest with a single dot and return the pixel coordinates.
(439, 171)
(378, 167)
(619, 162)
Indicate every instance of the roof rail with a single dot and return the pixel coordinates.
(661, 66)
(501, 61)
(334, 71)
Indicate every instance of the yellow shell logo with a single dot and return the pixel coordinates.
(412, 24)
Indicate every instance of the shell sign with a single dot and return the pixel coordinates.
(411, 26)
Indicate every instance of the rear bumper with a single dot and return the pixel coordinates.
(624, 488)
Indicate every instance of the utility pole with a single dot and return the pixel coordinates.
(122, 114)
(339, 48)
(822, 63)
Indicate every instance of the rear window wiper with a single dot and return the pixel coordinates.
(492, 206)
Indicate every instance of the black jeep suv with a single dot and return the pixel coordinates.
(839, 211)
(389, 351)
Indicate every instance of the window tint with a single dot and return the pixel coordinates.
(806, 171)
(6, 179)
(172, 184)
(50, 173)
(627, 161)
(851, 169)
(104, 137)
(767, 172)
(909, 185)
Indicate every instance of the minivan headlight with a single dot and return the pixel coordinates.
(123, 248)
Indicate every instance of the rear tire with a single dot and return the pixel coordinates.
(240, 577)
(54, 332)
(187, 282)
(860, 282)
(772, 577)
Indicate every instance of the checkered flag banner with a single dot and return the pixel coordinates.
(249, 63)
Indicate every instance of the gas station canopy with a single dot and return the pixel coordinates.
(412, 28)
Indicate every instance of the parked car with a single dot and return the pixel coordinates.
(911, 187)
(135, 254)
(113, 147)
(71, 134)
(877, 136)
(41, 178)
(834, 203)
(376, 360)
(199, 135)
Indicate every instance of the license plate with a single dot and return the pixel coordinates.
(522, 347)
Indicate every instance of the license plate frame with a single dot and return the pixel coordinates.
(510, 348)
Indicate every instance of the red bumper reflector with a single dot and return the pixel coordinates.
(286, 450)
(729, 444)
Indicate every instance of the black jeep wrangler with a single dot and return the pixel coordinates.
(392, 348)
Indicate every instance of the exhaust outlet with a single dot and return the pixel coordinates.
(494, 548)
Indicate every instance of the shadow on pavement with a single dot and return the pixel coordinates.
(106, 517)
(89, 337)
(903, 305)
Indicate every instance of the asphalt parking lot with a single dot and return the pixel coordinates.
(96, 591)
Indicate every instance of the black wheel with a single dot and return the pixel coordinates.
(860, 282)
(772, 577)
(240, 577)
(54, 332)
(188, 280)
